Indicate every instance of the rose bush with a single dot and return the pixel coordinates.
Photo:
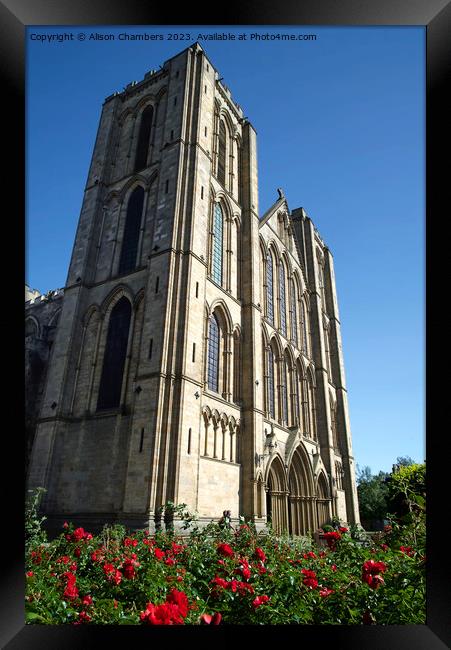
(223, 576)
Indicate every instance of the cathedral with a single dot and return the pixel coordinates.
(196, 351)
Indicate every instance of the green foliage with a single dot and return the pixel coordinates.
(407, 490)
(247, 578)
(34, 534)
(372, 492)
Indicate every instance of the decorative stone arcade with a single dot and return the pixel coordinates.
(295, 501)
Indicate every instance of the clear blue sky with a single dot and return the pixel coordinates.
(340, 125)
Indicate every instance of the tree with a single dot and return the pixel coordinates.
(407, 490)
(372, 492)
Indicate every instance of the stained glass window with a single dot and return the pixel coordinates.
(142, 147)
(114, 358)
(213, 354)
(216, 261)
(130, 240)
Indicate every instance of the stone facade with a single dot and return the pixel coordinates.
(42, 313)
(231, 389)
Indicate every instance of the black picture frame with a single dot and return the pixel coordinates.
(435, 16)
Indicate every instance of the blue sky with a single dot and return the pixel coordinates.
(340, 127)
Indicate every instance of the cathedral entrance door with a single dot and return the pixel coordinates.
(276, 497)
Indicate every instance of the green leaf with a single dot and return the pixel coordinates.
(33, 617)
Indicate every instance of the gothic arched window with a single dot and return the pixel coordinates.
(269, 289)
(114, 357)
(283, 303)
(213, 354)
(222, 153)
(294, 315)
(271, 396)
(284, 387)
(217, 244)
(142, 147)
(304, 347)
(130, 239)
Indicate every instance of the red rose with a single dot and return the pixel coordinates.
(180, 599)
(78, 534)
(259, 601)
(260, 554)
(332, 539)
(220, 582)
(86, 600)
(159, 554)
(71, 591)
(371, 571)
(225, 549)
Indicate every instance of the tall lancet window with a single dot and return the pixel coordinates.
(213, 355)
(271, 396)
(294, 314)
(269, 289)
(217, 244)
(142, 148)
(114, 358)
(222, 153)
(130, 240)
(283, 305)
(284, 393)
(303, 328)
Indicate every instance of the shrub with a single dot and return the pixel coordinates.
(223, 575)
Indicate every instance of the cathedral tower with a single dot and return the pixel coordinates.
(197, 357)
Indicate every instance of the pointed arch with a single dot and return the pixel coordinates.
(276, 495)
(217, 243)
(144, 136)
(114, 355)
(282, 296)
(302, 515)
(222, 151)
(219, 340)
(220, 306)
(310, 404)
(213, 354)
(32, 328)
(113, 297)
(130, 238)
(270, 287)
(86, 360)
